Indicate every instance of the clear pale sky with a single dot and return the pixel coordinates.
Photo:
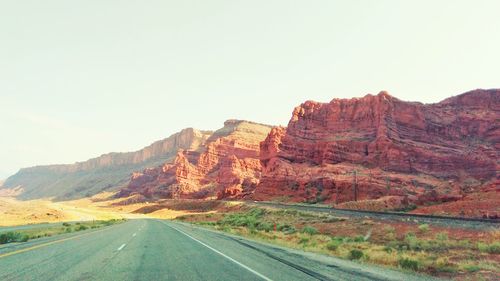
(83, 78)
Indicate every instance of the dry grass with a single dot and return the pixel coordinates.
(99, 207)
(443, 252)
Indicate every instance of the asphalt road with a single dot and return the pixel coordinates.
(165, 250)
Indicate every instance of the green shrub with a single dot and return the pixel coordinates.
(66, 224)
(23, 238)
(309, 230)
(407, 263)
(472, 268)
(265, 226)
(412, 241)
(4, 238)
(304, 240)
(286, 228)
(11, 236)
(249, 219)
(81, 227)
(442, 236)
(355, 254)
(423, 227)
(333, 245)
(359, 238)
(493, 248)
(390, 232)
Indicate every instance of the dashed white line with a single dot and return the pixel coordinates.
(224, 255)
(121, 247)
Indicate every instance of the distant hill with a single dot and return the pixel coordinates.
(106, 172)
(226, 166)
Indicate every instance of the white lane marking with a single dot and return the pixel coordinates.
(224, 255)
(121, 247)
(133, 235)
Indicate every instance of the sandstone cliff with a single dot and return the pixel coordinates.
(108, 171)
(376, 146)
(226, 166)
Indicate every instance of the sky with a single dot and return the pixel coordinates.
(86, 77)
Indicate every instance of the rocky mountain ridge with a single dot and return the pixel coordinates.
(106, 172)
(376, 146)
(226, 166)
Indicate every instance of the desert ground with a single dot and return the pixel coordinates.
(99, 207)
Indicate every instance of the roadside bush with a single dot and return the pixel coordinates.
(10, 237)
(249, 219)
(442, 236)
(412, 241)
(309, 230)
(407, 263)
(390, 232)
(81, 227)
(493, 248)
(66, 224)
(355, 254)
(423, 228)
(286, 228)
(471, 268)
(265, 226)
(304, 240)
(24, 238)
(443, 264)
(359, 238)
(333, 245)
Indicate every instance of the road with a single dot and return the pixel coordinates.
(164, 250)
(433, 220)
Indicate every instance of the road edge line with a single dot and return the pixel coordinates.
(222, 254)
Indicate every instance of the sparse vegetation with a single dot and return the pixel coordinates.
(309, 230)
(493, 248)
(408, 246)
(408, 263)
(28, 234)
(12, 236)
(355, 254)
(423, 227)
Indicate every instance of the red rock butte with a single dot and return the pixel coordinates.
(378, 152)
(225, 165)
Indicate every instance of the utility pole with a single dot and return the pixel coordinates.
(355, 185)
(336, 194)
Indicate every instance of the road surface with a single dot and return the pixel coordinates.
(164, 250)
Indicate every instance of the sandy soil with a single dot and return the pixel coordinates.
(99, 207)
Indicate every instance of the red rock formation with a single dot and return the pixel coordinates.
(106, 172)
(423, 152)
(225, 166)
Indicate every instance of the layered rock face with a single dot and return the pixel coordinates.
(225, 166)
(376, 146)
(106, 172)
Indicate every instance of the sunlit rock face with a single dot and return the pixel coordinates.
(107, 172)
(377, 146)
(226, 165)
